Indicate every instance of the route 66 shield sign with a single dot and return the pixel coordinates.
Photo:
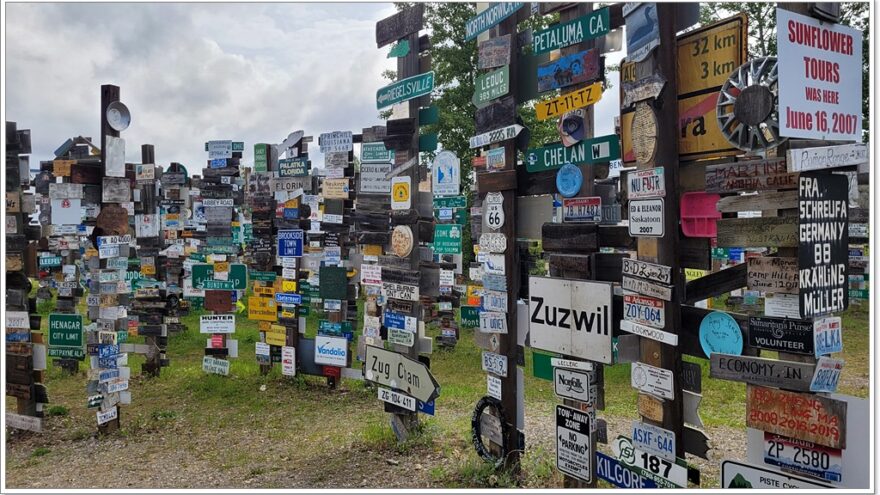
(494, 210)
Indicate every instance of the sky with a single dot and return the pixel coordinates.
(193, 72)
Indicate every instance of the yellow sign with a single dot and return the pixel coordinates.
(288, 285)
(706, 58)
(570, 101)
(372, 250)
(61, 168)
(400, 192)
(264, 291)
(262, 308)
(273, 338)
(287, 314)
(263, 326)
(221, 266)
(148, 269)
(693, 274)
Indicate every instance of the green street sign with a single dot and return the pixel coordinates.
(450, 202)
(447, 239)
(405, 89)
(198, 257)
(263, 276)
(428, 142)
(203, 277)
(470, 316)
(376, 153)
(65, 330)
(492, 16)
(589, 151)
(858, 293)
(248, 230)
(399, 50)
(584, 28)
(238, 146)
(293, 167)
(261, 157)
(491, 85)
(542, 367)
(429, 115)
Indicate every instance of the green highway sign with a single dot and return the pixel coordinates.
(263, 276)
(405, 89)
(428, 142)
(491, 85)
(589, 151)
(470, 316)
(48, 261)
(450, 202)
(447, 239)
(65, 330)
(584, 28)
(203, 277)
(492, 16)
(261, 157)
(376, 153)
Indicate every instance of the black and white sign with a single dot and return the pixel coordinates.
(648, 332)
(572, 384)
(781, 334)
(396, 398)
(823, 244)
(495, 363)
(652, 380)
(646, 218)
(573, 448)
(650, 271)
(570, 317)
(494, 213)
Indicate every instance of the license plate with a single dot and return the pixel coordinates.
(644, 310)
(398, 399)
(582, 209)
(803, 457)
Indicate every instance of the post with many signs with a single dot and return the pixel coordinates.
(25, 347)
(404, 371)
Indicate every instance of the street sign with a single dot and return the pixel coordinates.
(820, 419)
(588, 27)
(574, 385)
(614, 472)
(290, 243)
(492, 16)
(375, 153)
(405, 90)
(494, 210)
(738, 475)
(572, 318)
(491, 85)
(203, 277)
(574, 450)
(447, 239)
(588, 151)
(65, 330)
(400, 372)
(652, 380)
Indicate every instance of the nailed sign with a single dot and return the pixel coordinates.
(760, 371)
(751, 175)
(652, 380)
(644, 269)
(823, 244)
(405, 90)
(646, 218)
(802, 416)
(574, 449)
(400, 372)
(781, 334)
(568, 70)
(804, 159)
(569, 33)
(650, 183)
(491, 85)
(579, 98)
(773, 274)
(494, 52)
(571, 317)
(588, 151)
(490, 17)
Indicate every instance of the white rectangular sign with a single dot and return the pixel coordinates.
(217, 324)
(648, 332)
(493, 322)
(396, 398)
(820, 78)
(572, 384)
(652, 380)
(107, 416)
(332, 351)
(805, 159)
(495, 363)
(649, 183)
(653, 439)
(214, 365)
(493, 386)
(288, 361)
(570, 317)
(646, 218)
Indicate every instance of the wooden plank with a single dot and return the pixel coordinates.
(695, 442)
(716, 284)
(778, 274)
(763, 201)
(616, 236)
(399, 25)
(496, 181)
(570, 237)
(499, 113)
(694, 252)
(494, 52)
(758, 232)
(751, 175)
(817, 418)
(789, 375)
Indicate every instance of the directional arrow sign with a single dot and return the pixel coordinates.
(405, 89)
(398, 371)
(589, 151)
(496, 136)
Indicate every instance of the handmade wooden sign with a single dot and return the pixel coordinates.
(773, 274)
(823, 244)
(825, 157)
(751, 175)
(577, 68)
(801, 416)
(789, 375)
(494, 52)
(758, 232)
(399, 25)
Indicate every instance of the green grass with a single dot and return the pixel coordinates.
(304, 422)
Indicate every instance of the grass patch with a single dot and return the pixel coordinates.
(57, 410)
(40, 452)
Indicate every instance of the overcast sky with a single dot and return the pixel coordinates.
(194, 72)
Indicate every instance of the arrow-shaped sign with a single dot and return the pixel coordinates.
(496, 136)
(398, 371)
(695, 442)
(690, 413)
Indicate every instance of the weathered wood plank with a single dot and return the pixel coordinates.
(405, 22)
(773, 275)
(496, 181)
(751, 175)
(716, 284)
(758, 232)
(570, 237)
(766, 200)
(789, 375)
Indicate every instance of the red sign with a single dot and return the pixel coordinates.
(331, 371)
(217, 341)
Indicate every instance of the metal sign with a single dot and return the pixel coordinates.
(446, 174)
(401, 193)
(649, 183)
(492, 16)
(397, 399)
(823, 244)
(590, 26)
(447, 239)
(816, 98)
(574, 450)
(571, 317)
(649, 332)
(375, 153)
(405, 90)
(621, 476)
(568, 70)
(646, 287)
(496, 136)
(652, 380)
(572, 384)
(491, 85)
(495, 363)
(372, 179)
(582, 209)
(664, 473)
(579, 98)
(335, 141)
(737, 475)
(494, 210)
(644, 269)
(642, 31)
(653, 439)
(588, 151)
(400, 372)
(781, 334)
(646, 218)
(644, 310)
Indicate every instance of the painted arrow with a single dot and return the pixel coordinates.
(400, 372)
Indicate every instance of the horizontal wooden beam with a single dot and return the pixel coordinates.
(716, 284)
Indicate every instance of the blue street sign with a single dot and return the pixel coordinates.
(290, 243)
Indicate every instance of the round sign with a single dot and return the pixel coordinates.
(402, 241)
(494, 210)
(571, 127)
(719, 332)
(118, 116)
(644, 133)
(569, 180)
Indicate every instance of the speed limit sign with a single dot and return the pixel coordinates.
(494, 210)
